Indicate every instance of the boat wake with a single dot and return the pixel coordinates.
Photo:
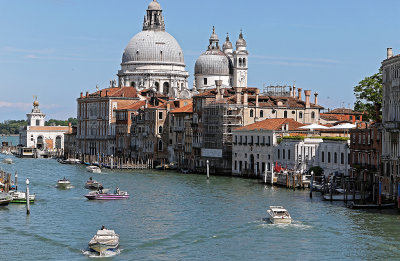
(92, 254)
(265, 223)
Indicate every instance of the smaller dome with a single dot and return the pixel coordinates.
(241, 41)
(213, 62)
(154, 6)
(227, 44)
(214, 36)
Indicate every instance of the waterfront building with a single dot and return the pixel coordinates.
(96, 116)
(333, 156)
(253, 146)
(37, 135)
(365, 154)
(391, 123)
(154, 60)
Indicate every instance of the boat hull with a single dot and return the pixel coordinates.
(63, 185)
(106, 197)
(101, 248)
(341, 197)
(5, 202)
(278, 219)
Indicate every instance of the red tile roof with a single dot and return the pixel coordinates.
(186, 109)
(273, 124)
(344, 111)
(134, 106)
(49, 128)
(127, 92)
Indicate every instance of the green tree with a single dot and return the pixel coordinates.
(368, 94)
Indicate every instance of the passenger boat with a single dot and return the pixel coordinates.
(5, 199)
(104, 240)
(93, 169)
(341, 196)
(279, 215)
(8, 161)
(63, 183)
(92, 184)
(103, 195)
(20, 197)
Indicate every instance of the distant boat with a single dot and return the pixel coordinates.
(96, 195)
(104, 240)
(93, 169)
(92, 184)
(5, 199)
(63, 183)
(20, 197)
(8, 161)
(279, 215)
(70, 161)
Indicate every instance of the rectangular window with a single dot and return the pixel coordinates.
(205, 81)
(279, 154)
(283, 154)
(160, 115)
(329, 157)
(323, 156)
(335, 157)
(288, 154)
(342, 158)
(235, 165)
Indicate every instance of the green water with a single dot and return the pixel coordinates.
(173, 216)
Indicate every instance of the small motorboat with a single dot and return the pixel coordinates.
(104, 195)
(20, 197)
(92, 184)
(63, 183)
(8, 161)
(279, 215)
(93, 169)
(70, 161)
(104, 240)
(5, 199)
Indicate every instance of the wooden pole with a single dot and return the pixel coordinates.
(16, 181)
(380, 192)
(311, 183)
(208, 169)
(28, 210)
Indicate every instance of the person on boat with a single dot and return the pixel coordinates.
(117, 191)
(90, 179)
(101, 189)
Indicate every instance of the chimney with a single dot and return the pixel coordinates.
(106, 93)
(294, 91)
(291, 93)
(168, 107)
(316, 98)
(238, 95)
(218, 84)
(257, 96)
(299, 92)
(307, 93)
(145, 104)
(81, 94)
(245, 99)
(100, 93)
(389, 53)
(69, 127)
(87, 94)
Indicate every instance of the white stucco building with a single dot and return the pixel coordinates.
(37, 135)
(333, 157)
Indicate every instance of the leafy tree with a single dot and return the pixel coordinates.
(53, 122)
(368, 94)
(11, 126)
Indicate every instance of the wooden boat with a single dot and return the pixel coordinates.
(279, 215)
(102, 195)
(63, 183)
(8, 161)
(104, 240)
(5, 199)
(20, 197)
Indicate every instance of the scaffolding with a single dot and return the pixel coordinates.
(277, 90)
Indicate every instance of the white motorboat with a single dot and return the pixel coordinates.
(20, 197)
(279, 215)
(8, 161)
(93, 169)
(104, 240)
(63, 183)
(71, 161)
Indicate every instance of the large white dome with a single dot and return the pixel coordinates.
(154, 47)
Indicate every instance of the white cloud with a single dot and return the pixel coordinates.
(16, 105)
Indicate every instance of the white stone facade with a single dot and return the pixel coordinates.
(333, 157)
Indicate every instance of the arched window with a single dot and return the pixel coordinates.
(251, 113)
(261, 114)
(240, 61)
(37, 122)
(244, 61)
(39, 142)
(157, 84)
(166, 88)
(58, 142)
(300, 115)
(285, 114)
(182, 86)
(160, 145)
(133, 84)
(312, 115)
(160, 129)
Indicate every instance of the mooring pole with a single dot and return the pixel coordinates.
(28, 210)
(208, 169)
(311, 183)
(398, 195)
(380, 192)
(16, 181)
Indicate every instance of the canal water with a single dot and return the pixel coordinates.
(172, 216)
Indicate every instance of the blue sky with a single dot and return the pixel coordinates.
(55, 49)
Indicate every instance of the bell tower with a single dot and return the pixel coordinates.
(240, 63)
